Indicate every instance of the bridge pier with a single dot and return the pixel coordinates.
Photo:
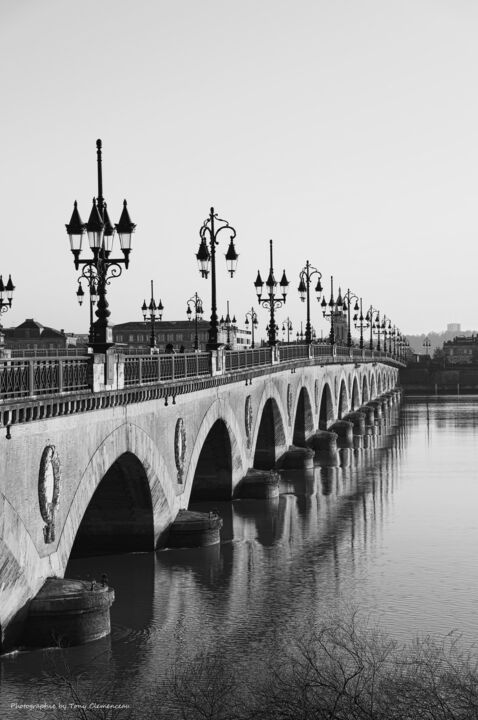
(194, 529)
(344, 431)
(357, 419)
(297, 458)
(68, 612)
(258, 484)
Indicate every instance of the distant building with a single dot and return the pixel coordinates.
(461, 350)
(32, 335)
(77, 339)
(136, 335)
(453, 327)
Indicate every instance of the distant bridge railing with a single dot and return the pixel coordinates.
(240, 359)
(139, 369)
(29, 377)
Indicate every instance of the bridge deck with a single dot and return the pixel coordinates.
(41, 387)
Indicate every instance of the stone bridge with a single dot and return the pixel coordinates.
(108, 472)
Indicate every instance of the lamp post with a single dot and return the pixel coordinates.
(388, 334)
(101, 266)
(300, 335)
(305, 277)
(377, 328)
(209, 232)
(427, 345)
(226, 324)
(335, 307)
(196, 302)
(287, 327)
(6, 294)
(386, 328)
(371, 312)
(348, 297)
(360, 324)
(155, 313)
(394, 336)
(272, 302)
(254, 323)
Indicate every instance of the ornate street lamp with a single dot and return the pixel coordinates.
(427, 345)
(287, 328)
(394, 336)
(155, 315)
(373, 320)
(102, 267)
(272, 301)
(386, 328)
(335, 309)
(377, 328)
(210, 230)
(227, 324)
(196, 303)
(348, 297)
(359, 323)
(305, 277)
(300, 335)
(387, 333)
(254, 322)
(6, 294)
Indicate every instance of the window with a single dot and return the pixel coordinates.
(131, 338)
(119, 338)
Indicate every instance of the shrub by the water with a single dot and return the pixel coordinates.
(337, 670)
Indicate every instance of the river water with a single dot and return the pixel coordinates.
(392, 531)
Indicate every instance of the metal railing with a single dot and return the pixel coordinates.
(239, 359)
(30, 377)
(293, 352)
(322, 350)
(141, 369)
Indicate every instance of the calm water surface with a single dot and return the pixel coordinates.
(392, 531)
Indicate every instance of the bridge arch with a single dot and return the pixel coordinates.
(365, 392)
(219, 432)
(373, 387)
(304, 420)
(270, 441)
(213, 473)
(148, 464)
(273, 433)
(342, 400)
(119, 516)
(326, 408)
(355, 403)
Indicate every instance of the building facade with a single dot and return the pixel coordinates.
(32, 335)
(461, 350)
(179, 334)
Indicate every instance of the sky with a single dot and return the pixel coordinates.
(345, 130)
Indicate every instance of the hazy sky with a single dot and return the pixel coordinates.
(346, 130)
